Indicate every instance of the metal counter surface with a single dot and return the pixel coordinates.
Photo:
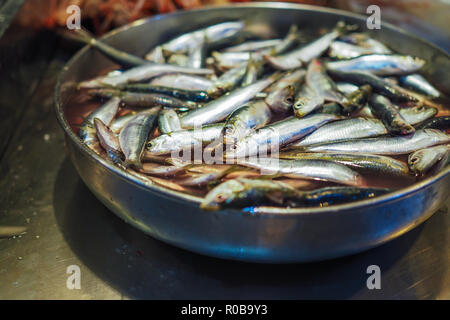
(66, 225)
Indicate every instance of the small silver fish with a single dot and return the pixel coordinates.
(281, 94)
(418, 83)
(133, 136)
(344, 50)
(422, 160)
(183, 82)
(389, 145)
(168, 121)
(379, 64)
(254, 45)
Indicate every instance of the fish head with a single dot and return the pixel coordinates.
(417, 161)
(223, 193)
(281, 101)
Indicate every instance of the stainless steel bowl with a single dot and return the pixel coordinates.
(279, 236)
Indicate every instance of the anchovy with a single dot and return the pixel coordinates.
(360, 162)
(211, 34)
(133, 136)
(422, 160)
(203, 179)
(197, 96)
(295, 59)
(242, 192)
(378, 84)
(178, 59)
(343, 130)
(177, 141)
(196, 57)
(357, 99)
(417, 114)
(282, 93)
(106, 114)
(228, 81)
(384, 110)
(230, 60)
(144, 100)
(161, 170)
(379, 64)
(108, 140)
(441, 123)
(313, 169)
(141, 73)
(344, 50)
(220, 108)
(251, 116)
(254, 45)
(183, 82)
(275, 135)
(346, 88)
(363, 40)
(386, 144)
(125, 59)
(317, 79)
(306, 101)
(418, 83)
(168, 121)
(254, 69)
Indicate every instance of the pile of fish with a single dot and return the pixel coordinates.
(294, 121)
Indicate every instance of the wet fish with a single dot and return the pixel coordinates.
(313, 169)
(388, 145)
(254, 45)
(298, 57)
(346, 87)
(331, 108)
(253, 115)
(178, 59)
(420, 84)
(106, 114)
(195, 38)
(384, 110)
(417, 114)
(365, 41)
(220, 108)
(357, 99)
(228, 81)
(183, 94)
(118, 123)
(282, 93)
(243, 192)
(423, 160)
(144, 100)
(344, 50)
(275, 135)
(141, 73)
(183, 82)
(254, 69)
(177, 141)
(196, 56)
(133, 136)
(168, 121)
(203, 179)
(335, 195)
(379, 64)
(343, 130)
(230, 60)
(306, 101)
(361, 162)
(378, 84)
(108, 140)
(441, 123)
(161, 170)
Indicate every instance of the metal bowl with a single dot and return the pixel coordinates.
(270, 236)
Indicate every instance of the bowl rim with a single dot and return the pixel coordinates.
(262, 210)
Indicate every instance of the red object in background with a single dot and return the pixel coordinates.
(104, 15)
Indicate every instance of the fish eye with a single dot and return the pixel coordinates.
(414, 160)
(289, 99)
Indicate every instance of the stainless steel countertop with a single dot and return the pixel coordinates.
(67, 225)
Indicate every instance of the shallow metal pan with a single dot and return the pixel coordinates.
(280, 236)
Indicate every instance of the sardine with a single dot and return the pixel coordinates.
(133, 136)
(282, 93)
(220, 108)
(168, 121)
(118, 123)
(346, 87)
(106, 114)
(227, 81)
(183, 82)
(177, 141)
(141, 73)
(312, 169)
(386, 144)
(379, 64)
(161, 170)
(420, 84)
(243, 192)
(295, 59)
(384, 110)
(361, 162)
(254, 45)
(365, 41)
(254, 69)
(108, 140)
(251, 116)
(183, 94)
(343, 130)
(441, 123)
(344, 50)
(422, 160)
(306, 101)
(275, 135)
